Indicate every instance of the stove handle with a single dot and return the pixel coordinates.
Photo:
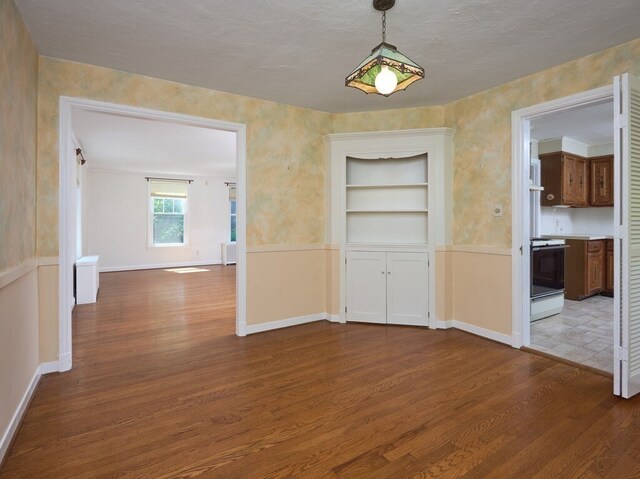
(547, 248)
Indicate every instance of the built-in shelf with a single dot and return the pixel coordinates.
(387, 201)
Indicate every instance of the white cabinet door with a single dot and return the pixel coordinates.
(366, 286)
(407, 289)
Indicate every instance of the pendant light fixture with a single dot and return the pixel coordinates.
(386, 70)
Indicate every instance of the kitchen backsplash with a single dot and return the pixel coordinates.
(576, 221)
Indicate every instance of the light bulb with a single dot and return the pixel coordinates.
(386, 81)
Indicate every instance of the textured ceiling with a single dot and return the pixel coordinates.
(299, 51)
(133, 144)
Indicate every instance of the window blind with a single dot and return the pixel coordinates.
(168, 188)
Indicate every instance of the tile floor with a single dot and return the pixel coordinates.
(582, 332)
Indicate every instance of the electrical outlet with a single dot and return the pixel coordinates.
(497, 210)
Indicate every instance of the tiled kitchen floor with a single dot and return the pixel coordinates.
(582, 332)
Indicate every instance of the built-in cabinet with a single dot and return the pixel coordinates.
(572, 180)
(601, 184)
(387, 221)
(585, 268)
(387, 287)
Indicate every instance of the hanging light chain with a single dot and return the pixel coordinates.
(384, 26)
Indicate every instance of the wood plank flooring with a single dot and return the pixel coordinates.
(161, 387)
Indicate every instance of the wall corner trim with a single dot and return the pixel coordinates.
(16, 419)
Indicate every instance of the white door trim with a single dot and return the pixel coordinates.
(520, 267)
(67, 200)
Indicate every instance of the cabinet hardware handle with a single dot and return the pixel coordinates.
(388, 272)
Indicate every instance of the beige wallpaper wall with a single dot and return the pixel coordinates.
(482, 143)
(285, 156)
(19, 355)
(18, 86)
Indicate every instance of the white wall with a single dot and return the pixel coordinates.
(118, 221)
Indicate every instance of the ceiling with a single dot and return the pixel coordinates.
(591, 125)
(154, 147)
(300, 51)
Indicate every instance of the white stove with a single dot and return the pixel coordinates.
(547, 277)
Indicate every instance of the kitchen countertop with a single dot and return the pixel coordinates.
(577, 237)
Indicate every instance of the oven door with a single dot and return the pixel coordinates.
(547, 270)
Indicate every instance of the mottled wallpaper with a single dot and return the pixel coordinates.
(285, 157)
(18, 103)
(482, 142)
(285, 153)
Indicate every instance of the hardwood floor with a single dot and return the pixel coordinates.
(162, 388)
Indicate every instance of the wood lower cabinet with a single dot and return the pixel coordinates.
(601, 184)
(608, 260)
(387, 287)
(584, 269)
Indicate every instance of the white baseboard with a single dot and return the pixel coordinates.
(477, 330)
(333, 318)
(52, 367)
(17, 416)
(285, 323)
(64, 362)
(184, 264)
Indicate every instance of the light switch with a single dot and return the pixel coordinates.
(497, 210)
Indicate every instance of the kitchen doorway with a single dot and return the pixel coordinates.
(540, 134)
(625, 92)
(571, 206)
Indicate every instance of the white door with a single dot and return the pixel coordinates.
(367, 286)
(627, 254)
(407, 289)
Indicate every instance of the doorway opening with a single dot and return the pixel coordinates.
(572, 227)
(553, 219)
(69, 209)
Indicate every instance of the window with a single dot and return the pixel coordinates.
(232, 212)
(167, 213)
(232, 236)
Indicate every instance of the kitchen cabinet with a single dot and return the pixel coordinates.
(601, 184)
(565, 179)
(387, 287)
(584, 268)
(608, 260)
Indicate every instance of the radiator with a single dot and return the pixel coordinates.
(228, 253)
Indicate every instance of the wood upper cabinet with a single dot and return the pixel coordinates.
(601, 184)
(565, 178)
(584, 269)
